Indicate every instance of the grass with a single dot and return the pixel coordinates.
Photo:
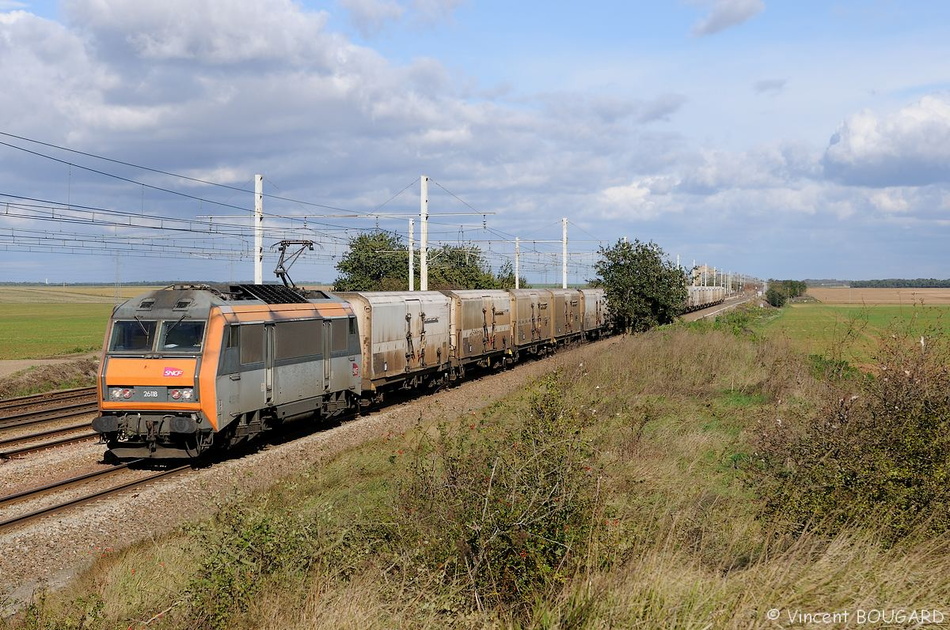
(851, 332)
(68, 294)
(38, 331)
(674, 538)
(658, 431)
(38, 322)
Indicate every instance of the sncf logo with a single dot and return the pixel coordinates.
(173, 372)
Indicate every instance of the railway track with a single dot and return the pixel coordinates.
(47, 413)
(50, 414)
(88, 478)
(48, 397)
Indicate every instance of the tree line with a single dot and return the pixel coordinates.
(901, 283)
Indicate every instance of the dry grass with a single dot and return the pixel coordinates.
(677, 541)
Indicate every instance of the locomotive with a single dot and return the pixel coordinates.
(190, 369)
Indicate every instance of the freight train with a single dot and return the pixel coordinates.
(699, 297)
(191, 369)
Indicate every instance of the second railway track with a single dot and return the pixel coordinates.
(47, 398)
(8, 521)
(48, 415)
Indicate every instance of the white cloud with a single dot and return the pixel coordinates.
(643, 199)
(727, 13)
(47, 74)
(369, 16)
(889, 201)
(632, 201)
(210, 31)
(909, 147)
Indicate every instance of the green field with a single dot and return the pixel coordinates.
(852, 332)
(38, 322)
(38, 331)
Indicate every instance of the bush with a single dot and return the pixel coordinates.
(878, 454)
(242, 549)
(502, 512)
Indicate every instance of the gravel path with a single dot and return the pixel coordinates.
(51, 550)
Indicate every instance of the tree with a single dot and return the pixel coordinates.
(781, 291)
(506, 277)
(459, 267)
(643, 289)
(376, 261)
(775, 296)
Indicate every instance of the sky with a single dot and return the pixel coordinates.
(806, 139)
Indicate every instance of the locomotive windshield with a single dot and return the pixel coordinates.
(182, 336)
(134, 335)
(138, 335)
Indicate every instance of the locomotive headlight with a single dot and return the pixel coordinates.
(185, 394)
(120, 393)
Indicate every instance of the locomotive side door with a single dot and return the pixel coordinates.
(326, 350)
(270, 351)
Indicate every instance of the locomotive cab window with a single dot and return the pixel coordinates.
(182, 336)
(134, 335)
(339, 330)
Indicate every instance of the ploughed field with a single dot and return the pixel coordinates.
(878, 297)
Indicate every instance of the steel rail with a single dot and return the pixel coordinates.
(45, 445)
(44, 415)
(42, 434)
(38, 399)
(65, 483)
(90, 497)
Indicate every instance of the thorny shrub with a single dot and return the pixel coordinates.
(82, 613)
(877, 454)
(502, 512)
(242, 549)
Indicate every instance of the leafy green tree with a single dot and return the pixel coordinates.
(781, 291)
(775, 296)
(643, 289)
(376, 261)
(506, 277)
(459, 267)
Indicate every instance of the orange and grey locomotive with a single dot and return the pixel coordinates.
(188, 369)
